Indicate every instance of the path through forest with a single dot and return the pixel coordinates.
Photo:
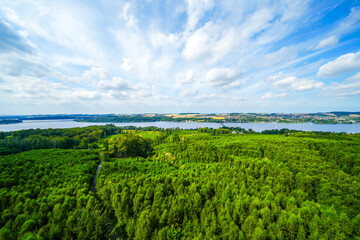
(93, 189)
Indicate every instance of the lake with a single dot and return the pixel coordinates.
(258, 127)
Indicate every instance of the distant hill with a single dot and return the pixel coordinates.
(345, 113)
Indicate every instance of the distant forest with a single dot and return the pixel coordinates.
(155, 183)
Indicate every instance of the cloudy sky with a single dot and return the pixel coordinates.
(179, 56)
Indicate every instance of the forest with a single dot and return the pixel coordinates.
(9, 121)
(156, 183)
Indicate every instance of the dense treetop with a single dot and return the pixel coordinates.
(44, 194)
(179, 184)
(210, 184)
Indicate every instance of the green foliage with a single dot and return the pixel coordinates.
(25, 140)
(179, 184)
(131, 146)
(201, 185)
(45, 194)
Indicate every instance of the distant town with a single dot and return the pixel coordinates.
(329, 118)
(319, 118)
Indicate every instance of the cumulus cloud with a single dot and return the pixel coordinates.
(328, 42)
(215, 40)
(142, 90)
(219, 77)
(96, 73)
(36, 89)
(115, 83)
(270, 95)
(159, 39)
(345, 63)
(284, 83)
(189, 93)
(200, 43)
(126, 64)
(117, 94)
(129, 47)
(101, 83)
(189, 78)
(211, 42)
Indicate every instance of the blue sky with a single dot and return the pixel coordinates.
(179, 56)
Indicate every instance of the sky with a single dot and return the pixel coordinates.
(204, 56)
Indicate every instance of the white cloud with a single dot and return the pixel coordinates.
(67, 29)
(35, 89)
(159, 39)
(211, 42)
(90, 77)
(270, 95)
(18, 66)
(115, 83)
(284, 54)
(135, 46)
(283, 83)
(345, 63)
(350, 23)
(196, 10)
(101, 84)
(117, 94)
(220, 77)
(126, 64)
(200, 44)
(351, 86)
(257, 22)
(328, 42)
(348, 92)
(96, 73)
(232, 85)
(189, 78)
(135, 51)
(355, 78)
(142, 90)
(287, 17)
(86, 95)
(209, 97)
(189, 93)
(163, 63)
(239, 98)
(215, 40)
(130, 19)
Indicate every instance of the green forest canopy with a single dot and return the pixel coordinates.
(179, 184)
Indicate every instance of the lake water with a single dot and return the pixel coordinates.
(258, 127)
